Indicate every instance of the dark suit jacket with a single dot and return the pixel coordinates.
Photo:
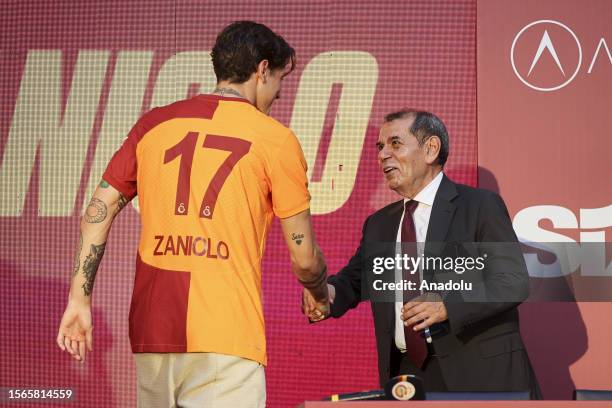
(480, 346)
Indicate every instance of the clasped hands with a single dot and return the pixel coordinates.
(420, 312)
(314, 310)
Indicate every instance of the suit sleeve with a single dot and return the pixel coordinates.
(506, 280)
(347, 282)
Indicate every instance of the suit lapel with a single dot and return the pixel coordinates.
(390, 224)
(441, 217)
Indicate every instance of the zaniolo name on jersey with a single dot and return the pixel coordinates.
(189, 245)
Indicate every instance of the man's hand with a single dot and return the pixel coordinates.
(316, 311)
(423, 311)
(75, 331)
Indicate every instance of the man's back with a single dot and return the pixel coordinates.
(209, 177)
(210, 173)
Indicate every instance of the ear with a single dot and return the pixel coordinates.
(432, 149)
(262, 70)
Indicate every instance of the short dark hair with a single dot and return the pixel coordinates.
(424, 125)
(242, 45)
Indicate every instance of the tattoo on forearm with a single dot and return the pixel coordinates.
(297, 238)
(104, 184)
(90, 266)
(122, 203)
(77, 256)
(96, 211)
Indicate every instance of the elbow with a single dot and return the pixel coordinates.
(523, 285)
(520, 289)
(523, 289)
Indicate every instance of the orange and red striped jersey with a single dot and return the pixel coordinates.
(210, 173)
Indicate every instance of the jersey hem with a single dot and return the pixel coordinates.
(170, 348)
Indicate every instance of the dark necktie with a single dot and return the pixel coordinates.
(415, 344)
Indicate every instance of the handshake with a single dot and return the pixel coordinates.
(316, 304)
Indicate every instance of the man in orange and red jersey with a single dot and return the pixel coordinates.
(210, 172)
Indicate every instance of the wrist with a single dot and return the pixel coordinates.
(315, 282)
(78, 300)
(331, 290)
(320, 293)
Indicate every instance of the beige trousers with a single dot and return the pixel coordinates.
(202, 380)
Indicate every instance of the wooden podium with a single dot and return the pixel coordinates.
(457, 404)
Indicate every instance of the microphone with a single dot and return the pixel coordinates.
(401, 388)
(357, 396)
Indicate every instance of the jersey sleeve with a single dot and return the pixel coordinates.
(121, 171)
(288, 180)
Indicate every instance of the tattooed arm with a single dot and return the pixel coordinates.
(103, 207)
(75, 332)
(307, 260)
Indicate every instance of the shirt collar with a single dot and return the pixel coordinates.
(428, 194)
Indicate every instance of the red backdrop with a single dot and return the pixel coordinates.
(544, 97)
(76, 75)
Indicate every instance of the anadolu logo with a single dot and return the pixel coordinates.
(546, 55)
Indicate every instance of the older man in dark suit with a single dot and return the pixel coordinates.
(455, 341)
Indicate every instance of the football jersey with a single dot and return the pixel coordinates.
(210, 173)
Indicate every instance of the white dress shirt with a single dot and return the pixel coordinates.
(421, 215)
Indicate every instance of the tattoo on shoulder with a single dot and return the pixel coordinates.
(104, 184)
(77, 256)
(297, 238)
(96, 211)
(122, 203)
(90, 266)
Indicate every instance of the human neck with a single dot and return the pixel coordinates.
(420, 184)
(233, 90)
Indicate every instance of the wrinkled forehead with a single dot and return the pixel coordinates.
(396, 128)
